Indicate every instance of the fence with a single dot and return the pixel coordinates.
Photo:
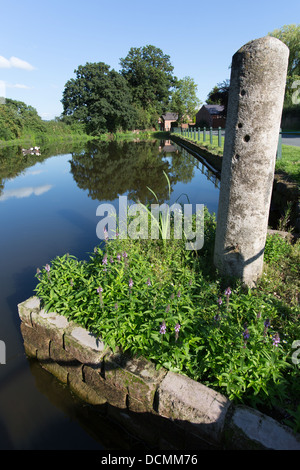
(214, 137)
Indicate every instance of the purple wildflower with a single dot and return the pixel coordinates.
(220, 301)
(130, 283)
(177, 328)
(148, 282)
(178, 294)
(167, 308)
(228, 291)
(118, 257)
(163, 328)
(47, 268)
(267, 323)
(105, 233)
(100, 290)
(217, 317)
(276, 340)
(111, 260)
(104, 261)
(124, 254)
(246, 334)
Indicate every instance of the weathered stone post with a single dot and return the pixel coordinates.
(256, 93)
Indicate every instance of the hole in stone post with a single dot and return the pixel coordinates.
(240, 125)
(247, 138)
(243, 92)
(237, 157)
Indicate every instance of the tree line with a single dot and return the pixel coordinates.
(106, 100)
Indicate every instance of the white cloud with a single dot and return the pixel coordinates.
(4, 63)
(20, 193)
(18, 85)
(15, 62)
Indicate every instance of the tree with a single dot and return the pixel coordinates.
(149, 73)
(100, 98)
(184, 100)
(17, 118)
(290, 35)
(219, 95)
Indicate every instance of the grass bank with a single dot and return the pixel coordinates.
(55, 135)
(289, 163)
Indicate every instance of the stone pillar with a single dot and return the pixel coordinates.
(256, 93)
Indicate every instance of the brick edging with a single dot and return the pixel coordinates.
(192, 415)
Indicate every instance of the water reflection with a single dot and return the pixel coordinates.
(110, 169)
(39, 222)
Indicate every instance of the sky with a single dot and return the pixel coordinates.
(42, 42)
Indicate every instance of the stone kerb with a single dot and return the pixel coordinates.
(100, 376)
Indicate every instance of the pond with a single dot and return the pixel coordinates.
(48, 207)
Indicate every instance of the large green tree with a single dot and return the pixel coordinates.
(290, 35)
(100, 98)
(184, 100)
(149, 74)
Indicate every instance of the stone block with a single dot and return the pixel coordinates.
(135, 375)
(51, 324)
(37, 340)
(199, 409)
(83, 390)
(115, 397)
(250, 429)
(84, 346)
(27, 307)
(56, 370)
(64, 359)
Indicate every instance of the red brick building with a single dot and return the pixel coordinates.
(211, 115)
(166, 120)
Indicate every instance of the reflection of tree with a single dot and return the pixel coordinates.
(115, 168)
(13, 162)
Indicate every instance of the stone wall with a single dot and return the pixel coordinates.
(166, 410)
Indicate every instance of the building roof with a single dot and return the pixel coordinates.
(214, 108)
(170, 116)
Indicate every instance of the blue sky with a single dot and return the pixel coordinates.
(42, 42)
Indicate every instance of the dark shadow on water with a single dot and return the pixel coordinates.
(110, 427)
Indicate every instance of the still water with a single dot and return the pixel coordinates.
(47, 208)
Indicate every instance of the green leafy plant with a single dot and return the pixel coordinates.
(162, 302)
